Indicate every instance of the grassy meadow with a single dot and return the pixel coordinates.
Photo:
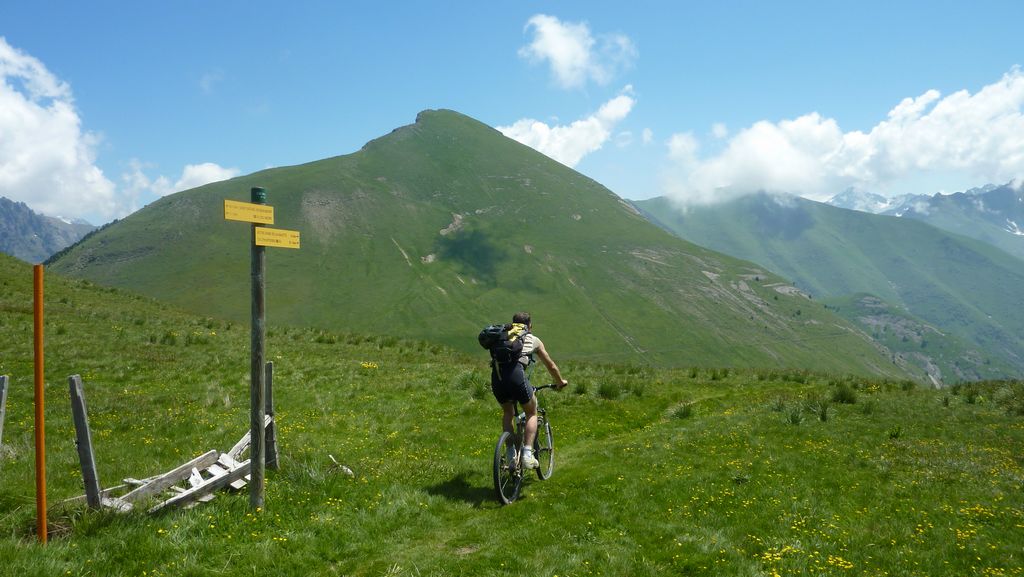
(658, 471)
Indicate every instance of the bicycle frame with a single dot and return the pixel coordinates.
(508, 473)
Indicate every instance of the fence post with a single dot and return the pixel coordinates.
(83, 440)
(3, 405)
(272, 427)
(257, 407)
(40, 401)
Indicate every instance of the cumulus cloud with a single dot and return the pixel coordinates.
(569, 144)
(199, 174)
(574, 54)
(980, 135)
(46, 160)
(136, 184)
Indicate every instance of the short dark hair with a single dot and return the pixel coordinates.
(521, 318)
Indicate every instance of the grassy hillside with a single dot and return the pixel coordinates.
(686, 471)
(444, 226)
(962, 287)
(916, 343)
(994, 215)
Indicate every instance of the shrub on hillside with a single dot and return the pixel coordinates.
(609, 390)
(844, 394)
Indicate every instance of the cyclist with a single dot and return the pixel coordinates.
(509, 383)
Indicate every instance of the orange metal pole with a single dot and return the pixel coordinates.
(40, 420)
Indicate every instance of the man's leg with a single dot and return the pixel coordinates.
(531, 423)
(507, 415)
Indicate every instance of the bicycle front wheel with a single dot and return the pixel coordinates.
(507, 476)
(544, 449)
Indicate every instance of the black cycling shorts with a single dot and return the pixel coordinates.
(509, 383)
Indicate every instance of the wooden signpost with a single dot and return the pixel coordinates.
(259, 214)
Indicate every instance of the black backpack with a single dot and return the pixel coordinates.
(505, 342)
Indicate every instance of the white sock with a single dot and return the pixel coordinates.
(528, 450)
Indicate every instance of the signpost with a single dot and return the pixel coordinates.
(258, 213)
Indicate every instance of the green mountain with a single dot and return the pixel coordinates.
(963, 289)
(446, 225)
(990, 213)
(33, 237)
(994, 214)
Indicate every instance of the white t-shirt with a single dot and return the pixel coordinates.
(530, 344)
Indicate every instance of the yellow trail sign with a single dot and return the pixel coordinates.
(248, 212)
(277, 237)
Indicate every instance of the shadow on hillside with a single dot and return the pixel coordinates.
(474, 252)
(458, 488)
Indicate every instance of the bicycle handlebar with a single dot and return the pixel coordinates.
(551, 386)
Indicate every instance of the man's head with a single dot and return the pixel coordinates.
(522, 318)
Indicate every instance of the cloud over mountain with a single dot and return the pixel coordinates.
(980, 135)
(568, 144)
(46, 160)
(49, 162)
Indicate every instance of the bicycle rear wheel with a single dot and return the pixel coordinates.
(544, 449)
(507, 476)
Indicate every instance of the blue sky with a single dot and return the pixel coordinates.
(105, 106)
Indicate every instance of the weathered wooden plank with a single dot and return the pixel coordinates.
(3, 405)
(246, 440)
(116, 504)
(229, 462)
(163, 482)
(105, 493)
(209, 486)
(83, 440)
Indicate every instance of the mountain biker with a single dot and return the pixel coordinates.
(509, 383)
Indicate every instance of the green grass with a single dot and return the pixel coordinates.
(728, 486)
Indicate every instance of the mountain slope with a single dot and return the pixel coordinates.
(446, 225)
(33, 237)
(992, 214)
(958, 285)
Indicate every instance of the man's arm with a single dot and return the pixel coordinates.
(551, 366)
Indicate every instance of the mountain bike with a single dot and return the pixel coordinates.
(508, 468)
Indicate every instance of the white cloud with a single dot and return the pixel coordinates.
(648, 136)
(46, 160)
(980, 136)
(569, 144)
(137, 184)
(719, 130)
(199, 174)
(573, 53)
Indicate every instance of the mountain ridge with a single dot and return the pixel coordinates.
(991, 213)
(445, 225)
(33, 237)
(957, 284)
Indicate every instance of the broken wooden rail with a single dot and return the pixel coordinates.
(203, 475)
